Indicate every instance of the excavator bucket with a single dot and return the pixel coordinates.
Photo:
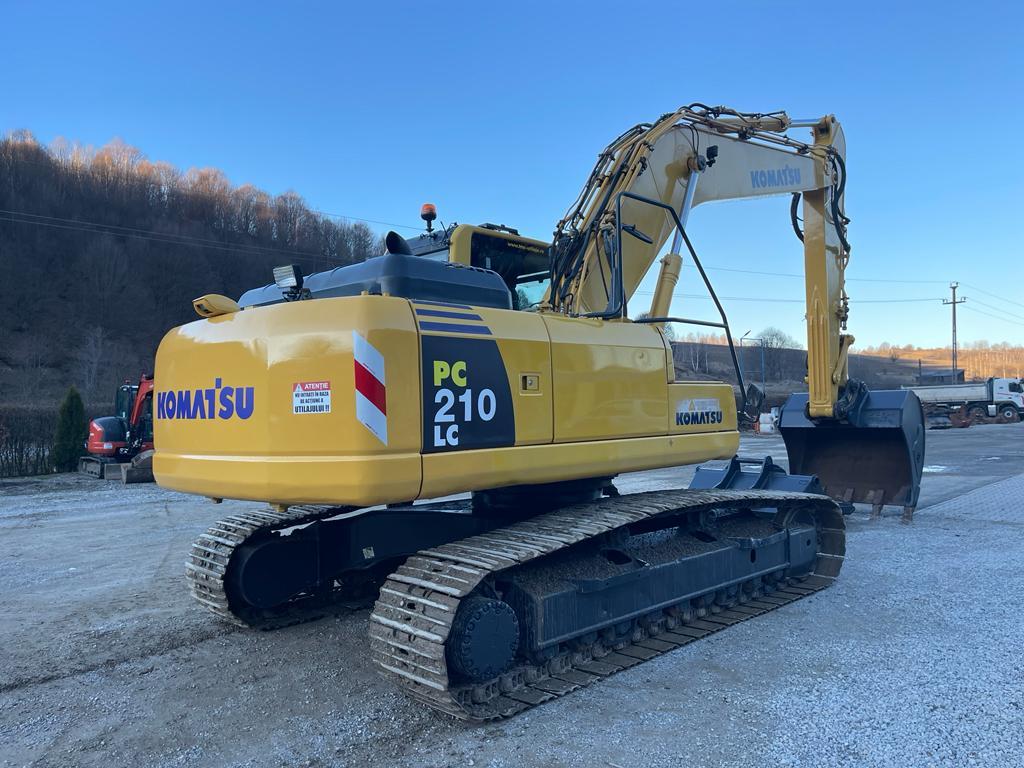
(875, 456)
(139, 469)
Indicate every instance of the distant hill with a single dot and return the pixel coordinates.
(978, 359)
(785, 368)
(103, 252)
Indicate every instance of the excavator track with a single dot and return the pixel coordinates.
(417, 605)
(209, 560)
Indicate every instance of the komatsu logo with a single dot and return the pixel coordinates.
(216, 402)
(707, 410)
(775, 177)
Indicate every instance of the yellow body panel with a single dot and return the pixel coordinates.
(699, 407)
(274, 454)
(526, 352)
(609, 379)
(469, 399)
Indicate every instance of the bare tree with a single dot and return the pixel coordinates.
(697, 352)
(699, 356)
(104, 279)
(775, 342)
(90, 359)
(32, 376)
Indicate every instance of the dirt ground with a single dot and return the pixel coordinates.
(913, 658)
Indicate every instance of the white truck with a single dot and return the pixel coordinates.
(1001, 399)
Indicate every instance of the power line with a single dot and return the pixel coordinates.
(887, 280)
(183, 238)
(157, 239)
(993, 295)
(994, 317)
(788, 301)
(727, 298)
(999, 309)
(167, 240)
(996, 308)
(56, 163)
(369, 221)
(800, 275)
(891, 301)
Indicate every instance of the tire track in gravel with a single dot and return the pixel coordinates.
(161, 649)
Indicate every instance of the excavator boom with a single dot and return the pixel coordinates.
(702, 154)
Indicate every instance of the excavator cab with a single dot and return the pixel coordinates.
(875, 455)
(522, 263)
(124, 399)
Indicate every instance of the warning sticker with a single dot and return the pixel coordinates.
(311, 397)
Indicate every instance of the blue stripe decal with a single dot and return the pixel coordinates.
(480, 330)
(442, 304)
(443, 313)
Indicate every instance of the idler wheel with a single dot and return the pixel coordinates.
(483, 640)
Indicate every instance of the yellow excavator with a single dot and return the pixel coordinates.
(440, 428)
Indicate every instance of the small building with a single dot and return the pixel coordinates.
(936, 377)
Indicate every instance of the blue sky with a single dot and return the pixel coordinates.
(496, 111)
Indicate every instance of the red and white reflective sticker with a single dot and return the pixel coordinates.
(371, 392)
(311, 397)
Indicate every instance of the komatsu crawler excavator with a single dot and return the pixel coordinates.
(504, 376)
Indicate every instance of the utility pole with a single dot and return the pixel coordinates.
(954, 302)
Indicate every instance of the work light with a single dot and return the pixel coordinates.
(288, 278)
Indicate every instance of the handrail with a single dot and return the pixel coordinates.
(619, 291)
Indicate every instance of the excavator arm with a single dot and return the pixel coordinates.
(864, 446)
(697, 155)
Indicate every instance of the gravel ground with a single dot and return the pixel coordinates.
(913, 658)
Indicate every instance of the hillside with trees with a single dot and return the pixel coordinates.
(103, 251)
(978, 359)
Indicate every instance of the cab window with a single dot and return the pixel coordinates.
(147, 420)
(522, 265)
(530, 290)
(124, 400)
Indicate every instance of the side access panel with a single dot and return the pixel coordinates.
(485, 377)
(610, 379)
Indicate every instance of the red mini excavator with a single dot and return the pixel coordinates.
(121, 446)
